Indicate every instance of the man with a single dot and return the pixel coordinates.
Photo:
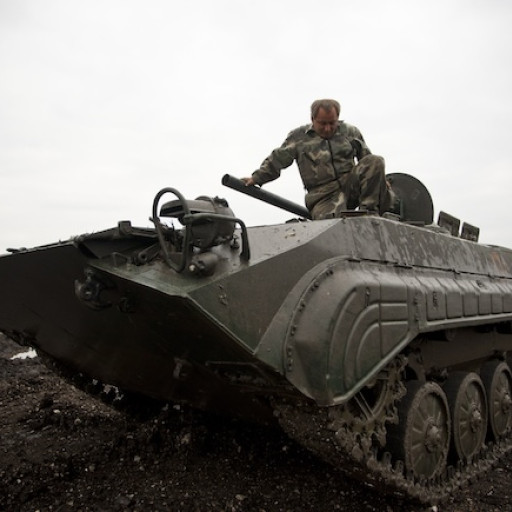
(335, 164)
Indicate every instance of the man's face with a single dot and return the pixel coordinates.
(325, 123)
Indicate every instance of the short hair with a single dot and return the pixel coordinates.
(326, 104)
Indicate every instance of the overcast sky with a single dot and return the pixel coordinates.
(105, 102)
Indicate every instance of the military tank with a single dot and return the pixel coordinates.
(380, 343)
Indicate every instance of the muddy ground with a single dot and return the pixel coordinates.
(62, 450)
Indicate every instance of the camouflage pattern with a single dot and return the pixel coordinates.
(365, 187)
(328, 170)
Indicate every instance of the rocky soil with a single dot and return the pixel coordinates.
(61, 450)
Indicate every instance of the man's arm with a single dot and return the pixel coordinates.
(270, 169)
(358, 143)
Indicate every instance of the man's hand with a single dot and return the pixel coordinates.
(248, 181)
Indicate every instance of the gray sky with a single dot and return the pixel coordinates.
(105, 102)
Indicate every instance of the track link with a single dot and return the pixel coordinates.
(360, 451)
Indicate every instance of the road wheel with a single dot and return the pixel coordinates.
(468, 408)
(422, 437)
(497, 380)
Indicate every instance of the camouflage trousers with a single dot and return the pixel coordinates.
(365, 186)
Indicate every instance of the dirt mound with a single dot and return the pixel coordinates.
(63, 450)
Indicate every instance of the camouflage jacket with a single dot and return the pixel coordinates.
(320, 161)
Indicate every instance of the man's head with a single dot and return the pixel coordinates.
(324, 116)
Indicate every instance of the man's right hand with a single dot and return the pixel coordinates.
(248, 181)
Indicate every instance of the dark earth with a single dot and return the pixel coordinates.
(63, 450)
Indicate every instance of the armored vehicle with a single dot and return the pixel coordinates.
(378, 342)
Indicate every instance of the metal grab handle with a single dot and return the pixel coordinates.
(158, 226)
(188, 220)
